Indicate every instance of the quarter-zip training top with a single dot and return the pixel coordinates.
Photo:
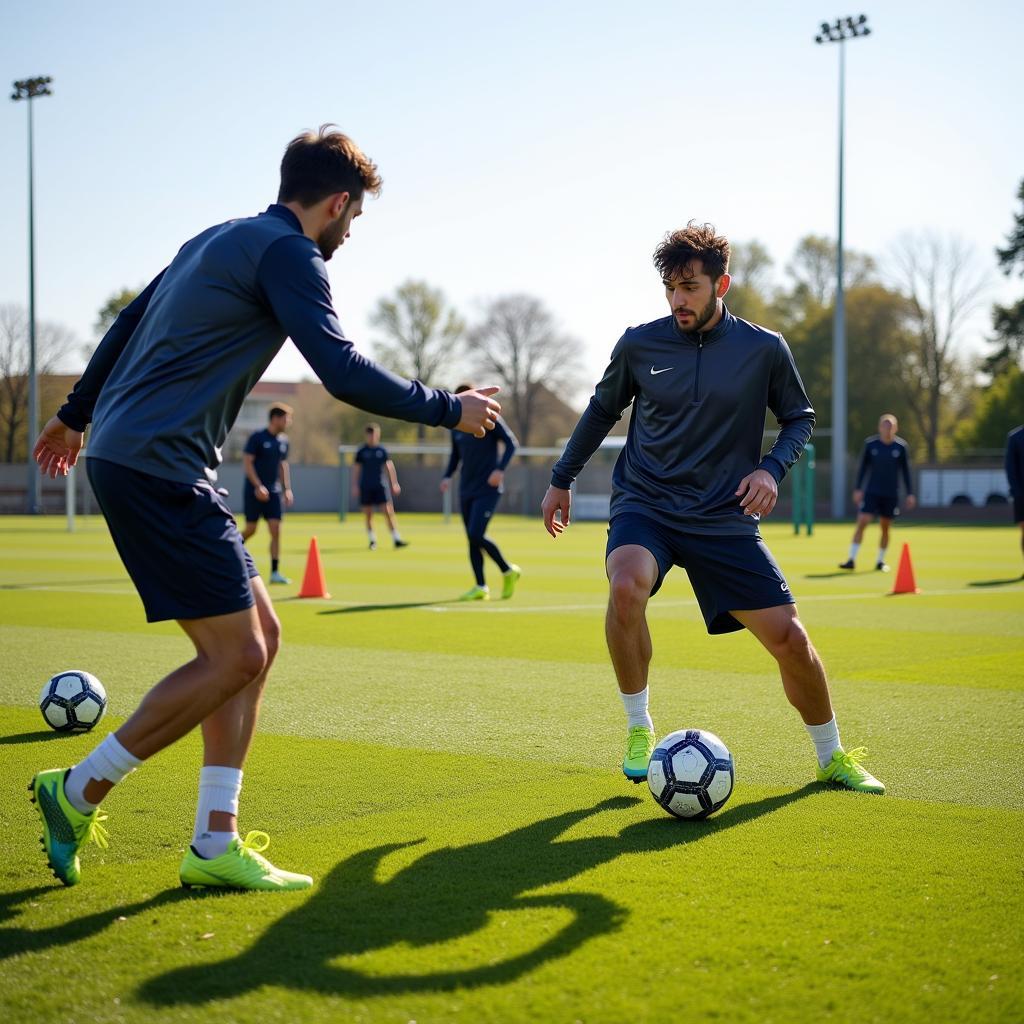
(699, 403)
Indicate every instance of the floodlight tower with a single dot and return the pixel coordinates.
(28, 89)
(843, 29)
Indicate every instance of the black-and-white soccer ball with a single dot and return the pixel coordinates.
(691, 773)
(73, 701)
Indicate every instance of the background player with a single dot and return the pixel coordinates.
(372, 463)
(481, 485)
(884, 460)
(162, 391)
(1015, 476)
(691, 485)
(267, 481)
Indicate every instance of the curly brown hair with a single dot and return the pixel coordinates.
(321, 163)
(694, 242)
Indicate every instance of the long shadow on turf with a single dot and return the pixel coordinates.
(385, 607)
(996, 583)
(14, 941)
(442, 896)
(36, 736)
(61, 583)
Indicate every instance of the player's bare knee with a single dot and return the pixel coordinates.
(249, 660)
(271, 626)
(629, 593)
(795, 643)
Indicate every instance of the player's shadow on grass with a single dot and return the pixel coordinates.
(36, 736)
(996, 583)
(440, 897)
(840, 572)
(61, 583)
(386, 607)
(14, 941)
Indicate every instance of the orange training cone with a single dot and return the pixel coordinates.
(313, 583)
(905, 575)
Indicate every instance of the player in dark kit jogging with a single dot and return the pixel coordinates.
(162, 391)
(481, 485)
(884, 462)
(690, 486)
(1014, 462)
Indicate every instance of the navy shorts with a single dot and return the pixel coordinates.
(1018, 509)
(727, 573)
(374, 496)
(179, 543)
(879, 505)
(256, 509)
(477, 510)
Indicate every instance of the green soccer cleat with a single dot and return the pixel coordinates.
(65, 829)
(476, 594)
(846, 770)
(509, 580)
(639, 745)
(240, 866)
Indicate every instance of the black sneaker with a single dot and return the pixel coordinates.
(881, 567)
(401, 543)
(848, 564)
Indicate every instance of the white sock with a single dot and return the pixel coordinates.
(219, 788)
(881, 554)
(854, 548)
(109, 761)
(826, 740)
(372, 536)
(395, 534)
(636, 708)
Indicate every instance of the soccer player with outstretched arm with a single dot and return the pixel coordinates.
(162, 391)
(691, 485)
(884, 461)
(1015, 476)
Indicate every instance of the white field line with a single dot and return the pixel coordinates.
(506, 609)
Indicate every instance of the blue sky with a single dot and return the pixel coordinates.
(538, 147)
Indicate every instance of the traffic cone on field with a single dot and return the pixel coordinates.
(905, 575)
(313, 583)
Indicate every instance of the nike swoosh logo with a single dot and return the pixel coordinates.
(654, 372)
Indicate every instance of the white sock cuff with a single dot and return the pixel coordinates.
(634, 702)
(111, 760)
(220, 775)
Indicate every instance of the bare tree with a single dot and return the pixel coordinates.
(518, 345)
(941, 279)
(813, 268)
(420, 334)
(53, 343)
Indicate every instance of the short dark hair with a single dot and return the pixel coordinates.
(371, 427)
(319, 164)
(280, 410)
(694, 242)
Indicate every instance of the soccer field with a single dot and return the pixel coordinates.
(450, 776)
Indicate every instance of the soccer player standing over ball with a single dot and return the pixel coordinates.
(162, 391)
(690, 486)
(267, 482)
(885, 459)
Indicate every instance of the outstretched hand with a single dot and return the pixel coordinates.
(57, 448)
(758, 492)
(479, 411)
(557, 502)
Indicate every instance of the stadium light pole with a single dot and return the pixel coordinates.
(28, 89)
(839, 32)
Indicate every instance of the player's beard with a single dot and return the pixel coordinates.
(331, 237)
(703, 316)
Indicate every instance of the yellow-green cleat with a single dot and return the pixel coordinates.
(240, 866)
(845, 769)
(509, 579)
(65, 829)
(476, 594)
(640, 745)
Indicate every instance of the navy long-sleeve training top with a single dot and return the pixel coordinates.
(1015, 461)
(882, 465)
(699, 402)
(479, 458)
(166, 382)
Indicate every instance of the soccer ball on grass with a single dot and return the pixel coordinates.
(691, 773)
(73, 701)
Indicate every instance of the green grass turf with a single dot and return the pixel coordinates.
(449, 773)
